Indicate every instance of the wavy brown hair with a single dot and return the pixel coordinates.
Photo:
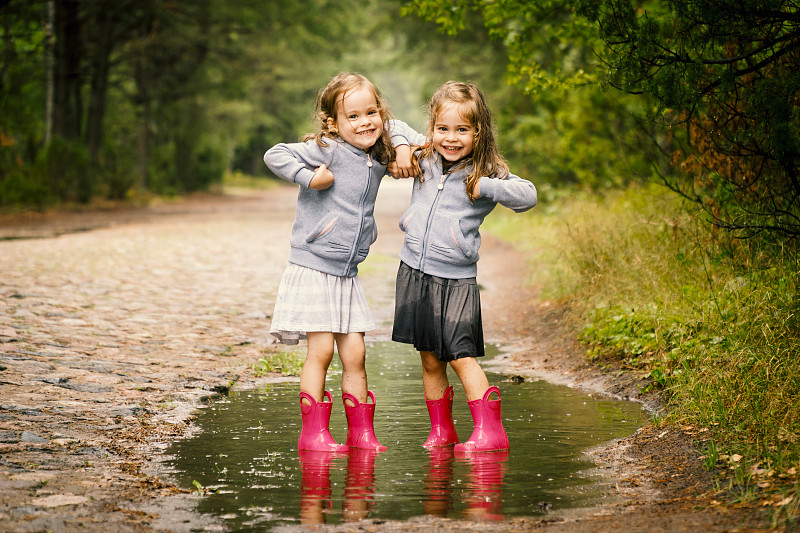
(326, 107)
(485, 158)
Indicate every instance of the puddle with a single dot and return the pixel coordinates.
(246, 454)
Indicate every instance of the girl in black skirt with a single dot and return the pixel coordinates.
(461, 178)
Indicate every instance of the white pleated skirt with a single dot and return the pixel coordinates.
(310, 300)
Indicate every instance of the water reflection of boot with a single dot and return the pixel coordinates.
(315, 434)
(443, 431)
(439, 493)
(360, 417)
(359, 489)
(488, 434)
(315, 485)
(485, 487)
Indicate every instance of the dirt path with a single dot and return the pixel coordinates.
(115, 325)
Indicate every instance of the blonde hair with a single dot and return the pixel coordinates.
(485, 158)
(326, 107)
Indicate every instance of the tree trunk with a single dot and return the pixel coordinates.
(143, 100)
(102, 25)
(67, 102)
(50, 62)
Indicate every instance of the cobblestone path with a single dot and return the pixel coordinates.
(113, 326)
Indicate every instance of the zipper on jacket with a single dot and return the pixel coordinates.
(354, 250)
(424, 250)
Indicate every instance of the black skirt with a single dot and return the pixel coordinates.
(438, 315)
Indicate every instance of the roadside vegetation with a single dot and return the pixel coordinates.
(283, 362)
(708, 320)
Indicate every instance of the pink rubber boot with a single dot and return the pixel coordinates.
(360, 431)
(315, 435)
(488, 434)
(443, 431)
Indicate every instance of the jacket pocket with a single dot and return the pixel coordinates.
(448, 244)
(405, 220)
(412, 225)
(368, 237)
(322, 228)
(330, 238)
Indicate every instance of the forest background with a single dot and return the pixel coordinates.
(662, 135)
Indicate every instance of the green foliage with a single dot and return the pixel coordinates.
(547, 46)
(65, 166)
(726, 72)
(114, 172)
(723, 73)
(712, 321)
(584, 137)
(556, 124)
(20, 187)
(284, 363)
(195, 90)
(238, 180)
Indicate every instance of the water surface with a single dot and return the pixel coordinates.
(246, 453)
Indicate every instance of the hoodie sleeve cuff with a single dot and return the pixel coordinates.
(304, 177)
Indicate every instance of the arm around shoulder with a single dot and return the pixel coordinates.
(402, 133)
(513, 192)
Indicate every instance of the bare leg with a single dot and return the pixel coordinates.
(472, 377)
(434, 376)
(318, 359)
(354, 374)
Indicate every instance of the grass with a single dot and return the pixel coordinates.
(286, 363)
(233, 181)
(711, 321)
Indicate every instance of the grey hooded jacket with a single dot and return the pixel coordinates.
(333, 228)
(441, 226)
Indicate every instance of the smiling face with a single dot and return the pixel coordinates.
(358, 118)
(453, 135)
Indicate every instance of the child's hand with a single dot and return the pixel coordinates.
(402, 166)
(323, 178)
(394, 170)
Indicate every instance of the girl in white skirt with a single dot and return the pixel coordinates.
(320, 297)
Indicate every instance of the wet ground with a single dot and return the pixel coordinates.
(245, 454)
(115, 326)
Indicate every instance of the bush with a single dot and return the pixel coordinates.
(20, 188)
(64, 167)
(712, 320)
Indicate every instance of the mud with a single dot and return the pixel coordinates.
(116, 324)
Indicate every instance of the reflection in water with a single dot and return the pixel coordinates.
(438, 489)
(359, 488)
(315, 486)
(247, 455)
(484, 497)
(316, 493)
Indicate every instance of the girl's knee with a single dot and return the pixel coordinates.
(319, 356)
(466, 366)
(353, 364)
(431, 364)
(320, 347)
(352, 351)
